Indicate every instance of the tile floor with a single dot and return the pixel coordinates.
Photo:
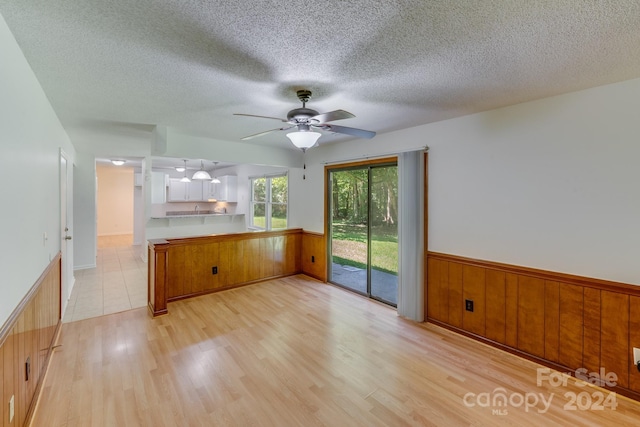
(118, 283)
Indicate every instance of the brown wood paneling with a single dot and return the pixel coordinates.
(565, 321)
(231, 270)
(531, 315)
(456, 302)
(571, 331)
(551, 320)
(10, 372)
(473, 288)
(292, 248)
(20, 340)
(313, 254)
(239, 258)
(496, 305)
(177, 265)
(591, 334)
(278, 259)
(437, 290)
(571, 279)
(251, 253)
(614, 346)
(634, 341)
(20, 385)
(225, 269)
(200, 259)
(267, 259)
(511, 309)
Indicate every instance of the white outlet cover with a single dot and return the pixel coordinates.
(636, 356)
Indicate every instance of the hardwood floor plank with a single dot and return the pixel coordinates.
(290, 352)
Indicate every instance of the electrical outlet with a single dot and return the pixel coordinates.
(11, 409)
(468, 305)
(636, 357)
(214, 270)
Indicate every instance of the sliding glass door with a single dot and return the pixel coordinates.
(363, 229)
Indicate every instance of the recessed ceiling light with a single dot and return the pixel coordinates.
(118, 162)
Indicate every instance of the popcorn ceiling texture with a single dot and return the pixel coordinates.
(124, 66)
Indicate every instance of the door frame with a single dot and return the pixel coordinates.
(327, 214)
(66, 228)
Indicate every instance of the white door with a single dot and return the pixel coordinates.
(66, 248)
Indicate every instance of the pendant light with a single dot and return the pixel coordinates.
(201, 174)
(215, 179)
(185, 178)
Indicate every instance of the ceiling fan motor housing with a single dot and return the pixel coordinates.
(301, 115)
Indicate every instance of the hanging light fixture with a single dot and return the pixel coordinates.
(201, 174)
(215, 179)
(185, 178)
(304, 139)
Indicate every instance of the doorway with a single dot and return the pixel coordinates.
(363, 228)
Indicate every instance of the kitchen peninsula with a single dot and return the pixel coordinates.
(194, 223)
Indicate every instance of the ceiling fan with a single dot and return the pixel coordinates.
(307, 120)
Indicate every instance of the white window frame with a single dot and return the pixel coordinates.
(268, 202)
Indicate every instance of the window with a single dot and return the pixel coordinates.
(269, 200)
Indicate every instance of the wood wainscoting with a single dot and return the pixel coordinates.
(314, 255)
(29, 334)
(184, 268)
(563, 321)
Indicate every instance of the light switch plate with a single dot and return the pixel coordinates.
(636, 355)
(11, 409)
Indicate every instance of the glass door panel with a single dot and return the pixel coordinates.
(363, 230)
(348, 228)
(383, 223)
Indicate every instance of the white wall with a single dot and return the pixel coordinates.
(550, 184)
(31, 137)
(84, 211)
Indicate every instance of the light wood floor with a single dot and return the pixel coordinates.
(290, 352)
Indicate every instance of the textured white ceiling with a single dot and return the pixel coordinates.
(124, 65)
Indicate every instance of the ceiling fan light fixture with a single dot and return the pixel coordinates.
(304, 140)
(201, 174)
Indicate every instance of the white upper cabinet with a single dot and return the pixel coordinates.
(227, 190)
(194, 191)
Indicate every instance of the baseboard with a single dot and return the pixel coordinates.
(85, 267)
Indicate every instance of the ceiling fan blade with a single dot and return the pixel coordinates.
(261, 117)
(360, 133)
(264, 133)
(331, 116)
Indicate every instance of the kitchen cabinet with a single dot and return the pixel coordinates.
(227, 190)
(194, 191)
